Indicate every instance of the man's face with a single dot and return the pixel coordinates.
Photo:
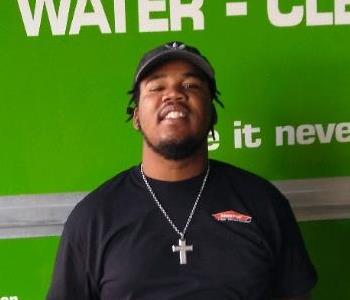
(174, 110)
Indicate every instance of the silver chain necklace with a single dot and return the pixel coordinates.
(182, 248)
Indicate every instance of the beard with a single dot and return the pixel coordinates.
(177, 149)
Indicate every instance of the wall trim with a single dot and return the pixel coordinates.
(45, 214)
(318, 199)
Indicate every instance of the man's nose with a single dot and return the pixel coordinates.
(173, 93)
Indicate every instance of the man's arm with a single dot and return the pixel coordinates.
(70, 279)
(294, 274)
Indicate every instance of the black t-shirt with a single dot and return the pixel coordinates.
(117, 245)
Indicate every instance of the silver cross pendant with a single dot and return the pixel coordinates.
(182, 249)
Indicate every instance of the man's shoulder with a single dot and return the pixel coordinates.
(111, 186)
(106, 196)
(254, 190)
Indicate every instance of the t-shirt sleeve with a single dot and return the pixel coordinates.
(294, 274)
(70, 280)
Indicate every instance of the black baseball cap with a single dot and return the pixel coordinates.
(170, 51)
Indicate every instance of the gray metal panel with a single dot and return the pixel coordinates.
(35, 215)
(318, 199)
(45, 214)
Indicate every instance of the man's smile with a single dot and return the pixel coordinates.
(173, 112)
(174, 115)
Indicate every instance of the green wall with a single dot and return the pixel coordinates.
(63, 97)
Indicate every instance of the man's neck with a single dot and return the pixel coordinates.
(157, 167)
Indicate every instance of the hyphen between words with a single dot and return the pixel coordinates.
(248, 136)
(58, 15)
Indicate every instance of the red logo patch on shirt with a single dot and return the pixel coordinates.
(232, 215)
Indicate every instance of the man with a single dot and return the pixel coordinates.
(180, 226)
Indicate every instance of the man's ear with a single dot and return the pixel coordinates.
(135, 119)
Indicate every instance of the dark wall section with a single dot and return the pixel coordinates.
(329, 246)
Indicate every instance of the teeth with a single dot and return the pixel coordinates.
(175, 115)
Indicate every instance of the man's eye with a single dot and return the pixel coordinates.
(188, 85)
(157, 88)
